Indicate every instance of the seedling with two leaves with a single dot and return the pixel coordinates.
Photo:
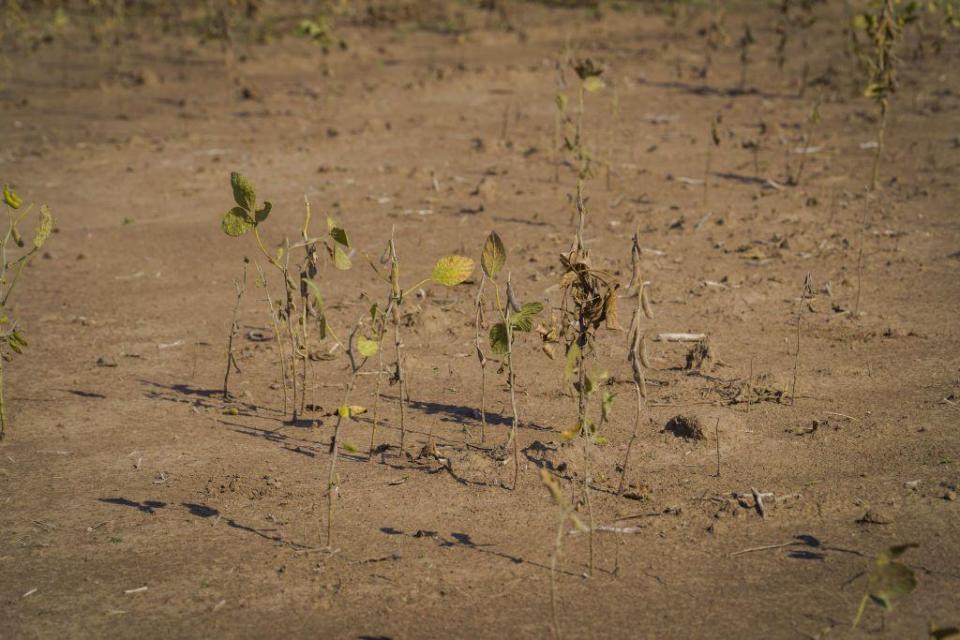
(514, 317)
(887, 578)
(15, 255)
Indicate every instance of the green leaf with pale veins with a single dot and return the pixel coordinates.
(523, 320)
(243, 192)
(237, 222)
(494, 255)
(452, 270)
(499, 342)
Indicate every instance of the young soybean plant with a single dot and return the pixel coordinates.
(514, 317)
(886, 579)
(884, 28)
(358, 349)
(565, 511)
(298, 283)
(449, 271)
(11, 339)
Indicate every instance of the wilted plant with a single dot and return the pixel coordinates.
(886, 579)
(565, 512)
(448, 272)
(513, 317)
(636, 350)
(12, 341)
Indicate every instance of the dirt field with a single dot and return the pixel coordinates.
(133, 503)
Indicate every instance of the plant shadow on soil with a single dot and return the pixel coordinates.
(205, 512)
(465, 541)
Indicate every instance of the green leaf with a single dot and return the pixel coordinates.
(367, 347)
(44, 227)
(340, 236)
(340, 258)
(243, 192)
(452, 270)
(499, 342)
(593, 84)
(349, 448)
(494, 255)
(264, 211)
(523, 319)
(374, 312)
(11, 198)
(237, 222)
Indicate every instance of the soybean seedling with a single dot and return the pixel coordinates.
(11, 268)
(299, 285)
(449, 271)
(514, 317)
(358, 349)
(590, 82)
(806, 143)
(240, 285)
(887, 578)
(636, 351)
(712, 141)
(745, 42)
(565, 511)
(806, 293)
(884, 29)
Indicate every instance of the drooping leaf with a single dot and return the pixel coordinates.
(243, 192)
(44, 227)
(944, 633)
(367, 347)
(374, 312)
(593, 84)
(523, 320)
(237, 222)
(264, 211)
(11, 198)
(340, 258)
(606, 405)
(594, 380)
(494, 255)
(452, 270)
(499, 342)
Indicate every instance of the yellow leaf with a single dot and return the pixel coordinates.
(452, 270)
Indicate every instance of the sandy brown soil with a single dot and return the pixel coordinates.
(119, 477)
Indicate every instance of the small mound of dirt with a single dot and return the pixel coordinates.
(686, 427)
